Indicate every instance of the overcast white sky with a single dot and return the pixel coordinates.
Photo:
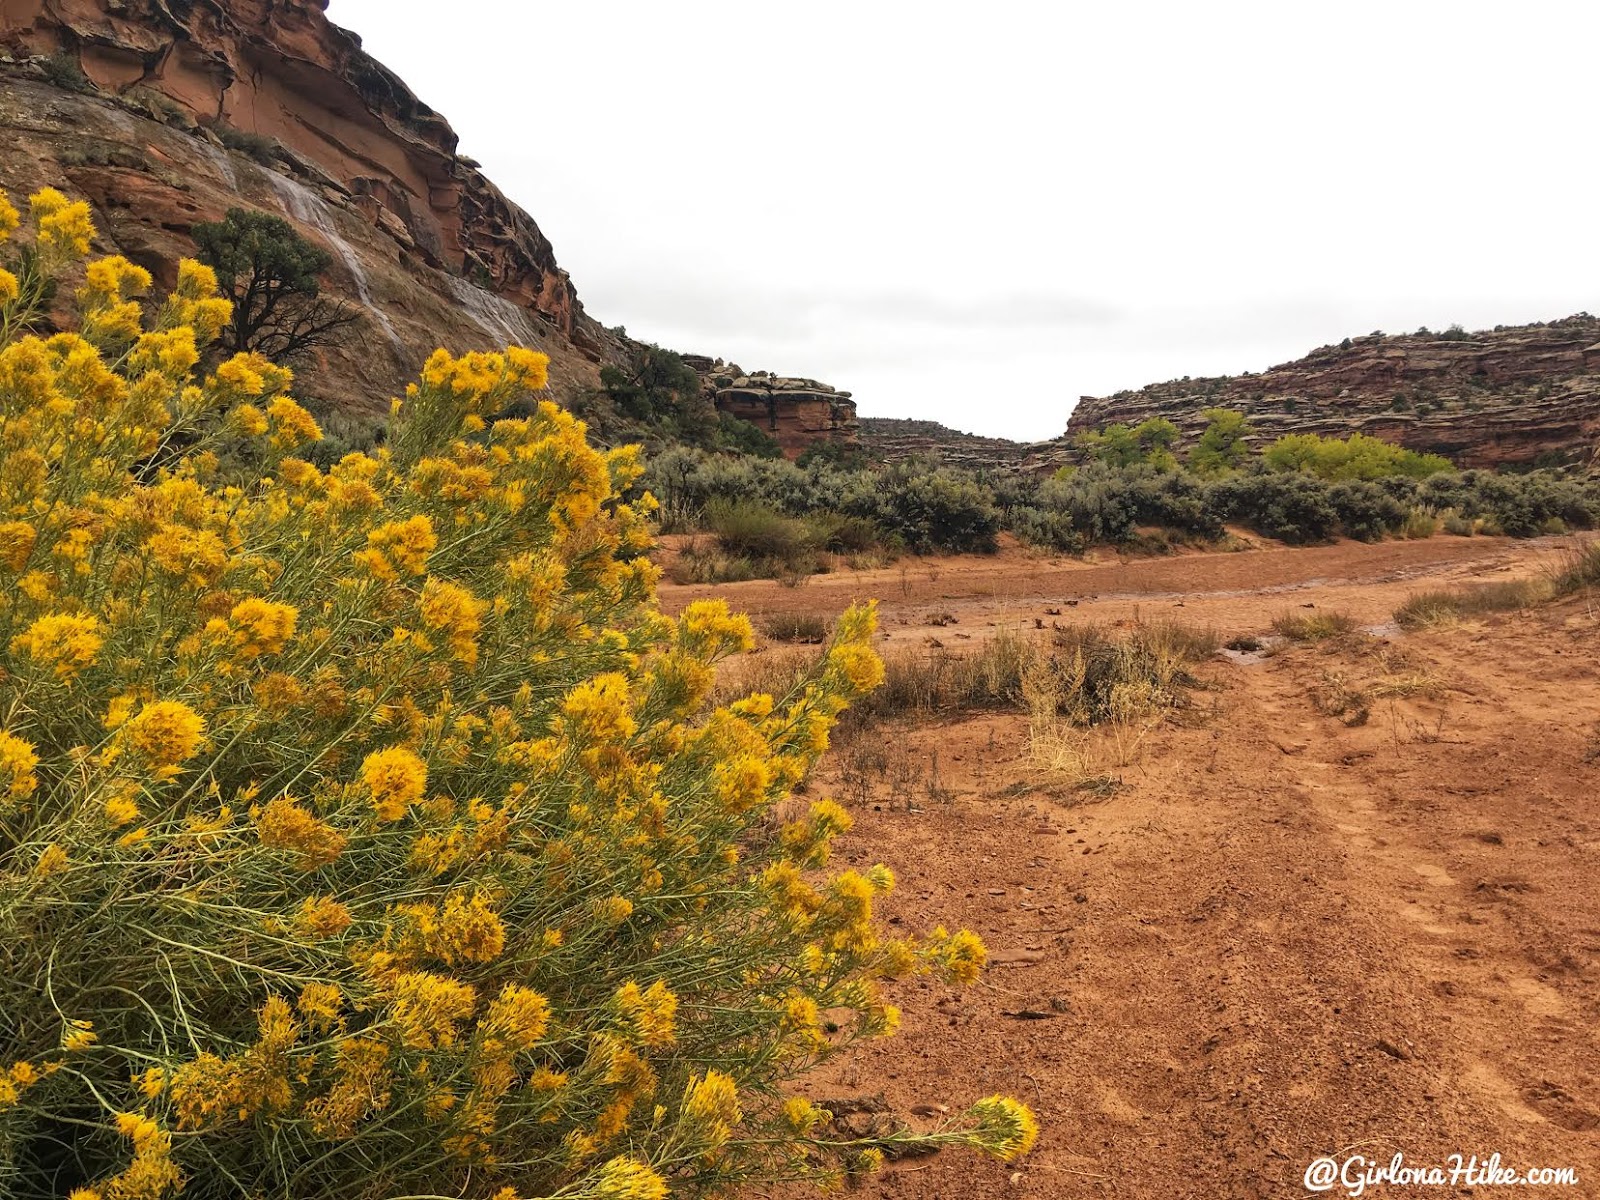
(977, 212)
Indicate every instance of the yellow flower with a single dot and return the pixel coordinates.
(196, 281)
(10, 288)
(708, 629)
(107, 282)
(455, 612)
(1006, 1128)
(960, 956)
(614, 910)
(652, 1012)
(121, 808)
(284, 825)
(292, 426)
(52, 861)
(79, 1035)
(519, 1015)
(9, 217)
(17, 539)
(429, 1008)
(321, 917)
(860, 668)
(320, 1003)
(17, 761)
(170, 353)
(396, 779)
(801, 1116)
(627, 1179)
(63, 225)
(529, 368)
(262, 626)
(66, 642)
(247, 419)
(195, 554)
(598, 709)
(743, 783)
(462, 929)
(398, 546)
(164, 733)
(711, 1106)
(141, 1130)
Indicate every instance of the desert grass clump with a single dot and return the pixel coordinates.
(925, 682)
(1419, 523)
(1579, 570)
(1313, 627)
(368, 832)
(799, 627)
(1446, 606)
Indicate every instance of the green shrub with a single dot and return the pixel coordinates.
(1355, 457)
(1366, 511)
(259, 146)
(930, 508)
(1292, 508)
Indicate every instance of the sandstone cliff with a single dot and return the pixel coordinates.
(429, 248)
(1516, 396)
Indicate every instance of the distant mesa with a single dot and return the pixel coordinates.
(1518, 396)
(1514, 396)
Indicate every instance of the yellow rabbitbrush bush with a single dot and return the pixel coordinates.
(365, 833)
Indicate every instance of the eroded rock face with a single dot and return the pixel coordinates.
(1511, 396)
(280, 69)
(431, 250)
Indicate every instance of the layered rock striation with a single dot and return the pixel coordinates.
(1512, 396)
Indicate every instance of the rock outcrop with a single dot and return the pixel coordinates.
(164, 114)
(1511, 396)
(796, 413)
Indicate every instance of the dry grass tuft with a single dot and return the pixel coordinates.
(804, 628)
(1446, 606)
(1313, 627)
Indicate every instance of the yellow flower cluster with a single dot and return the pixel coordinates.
(65, 226)
(651, 1012)
(17, 761)
(395, 779)
(1006, 1128)
(399, 547)
(455, 613)
(261, 626)
(509, 916)
(64, 642)
(284, 825)
(462, 929)
(164, 734)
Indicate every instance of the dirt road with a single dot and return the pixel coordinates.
(1283, 936)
